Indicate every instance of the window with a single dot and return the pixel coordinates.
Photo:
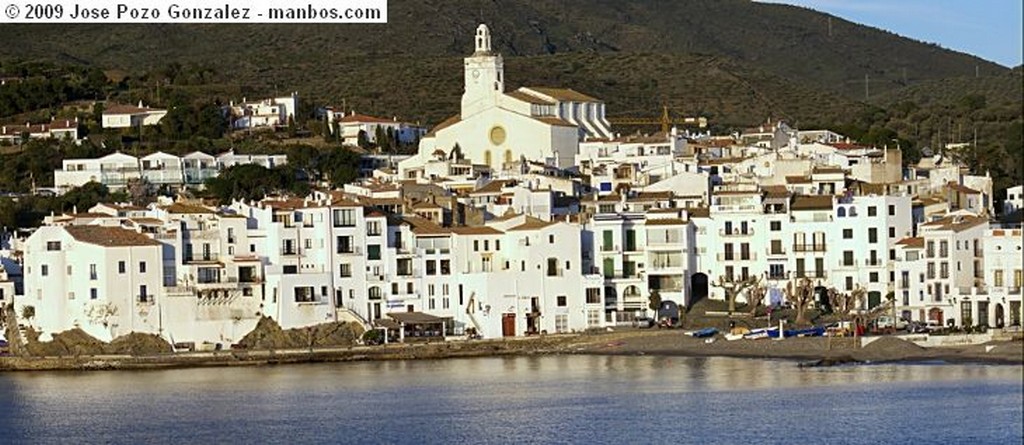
(476, 245)
(290, 269)
(92, 271)
(892, 210)
(847, 257)
(561, 301)
(551, 239)
(373, 228)
(776, 247)
(998, 278)
(93, 293)
(121, 267)
(873, 235)
(304, 294)
(849, 283)
(847, 233)
(775, 226)
(943, 249)
(44, 270)
(497, 244)
(309, 243)
(873, 277)
(892, 232)
(69, 270)
(52, 245)
(446, 267)
(345, 270)
(872, 211)
(561, 323)
(431, 267)
(394, 288)
(373, 252)
(344, 244)
(776, 271)
(344, 218)
(142, 267)
(593, 295)
(374, 293)
(144, 296)
(552, 270)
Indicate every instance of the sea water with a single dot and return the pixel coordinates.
(547, 399)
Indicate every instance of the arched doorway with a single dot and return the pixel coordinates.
(698, 287)
(1000, 316)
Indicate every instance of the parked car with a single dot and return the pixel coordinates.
(887, 322)
(643, 322)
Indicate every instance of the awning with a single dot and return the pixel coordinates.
(411, 318)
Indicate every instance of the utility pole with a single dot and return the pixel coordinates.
(867, 81)
(830, 26)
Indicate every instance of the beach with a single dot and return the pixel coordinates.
(809, 350)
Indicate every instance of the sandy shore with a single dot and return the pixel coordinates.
(652, 342)
(885, 349)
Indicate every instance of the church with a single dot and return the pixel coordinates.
(497, 128)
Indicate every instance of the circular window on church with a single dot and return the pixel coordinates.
(497, 135)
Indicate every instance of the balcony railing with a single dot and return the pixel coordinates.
(286, 251)
(777, 252)
(350, 250)
(875, 262)
(751, 256)
(811, 274)
(808, 247)
(145, 299)
(204, 258)
(736, 232)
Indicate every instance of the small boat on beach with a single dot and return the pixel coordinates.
(704, 333)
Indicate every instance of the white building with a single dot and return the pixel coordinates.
(117, 169)
(497, 128)
(1014, 199)
(273, 112)
(128, 116)
(103, 280)
(56, 129)
(353, 125)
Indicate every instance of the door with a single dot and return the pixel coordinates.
(508, 325)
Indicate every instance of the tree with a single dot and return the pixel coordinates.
(733, 288)
(755, 296)
(801, 294)
(654, 302)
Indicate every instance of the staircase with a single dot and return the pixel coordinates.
(470, 310)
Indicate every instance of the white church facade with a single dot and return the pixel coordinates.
(497, 128)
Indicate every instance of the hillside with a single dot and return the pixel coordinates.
(423, 37)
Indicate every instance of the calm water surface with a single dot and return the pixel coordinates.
(573, 399)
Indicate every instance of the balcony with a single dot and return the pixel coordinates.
(289, 251)
(808, 247)
(349, 250)
(147, 299)
(779, 252)
(811, 274)
(873, 262)
(609, 248)
(736, 232)
(201, 259)
(843, 264)
(620, 274)
(751, 256)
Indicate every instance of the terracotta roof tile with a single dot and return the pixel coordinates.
(109, 236)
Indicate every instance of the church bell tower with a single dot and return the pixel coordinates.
(484, 75)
